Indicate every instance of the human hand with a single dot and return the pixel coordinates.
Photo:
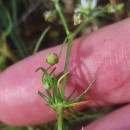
(103, 54)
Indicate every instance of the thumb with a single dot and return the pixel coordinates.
(103, 54)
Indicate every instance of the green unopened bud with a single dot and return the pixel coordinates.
(77, 19)
(52, 58)
(50, 15)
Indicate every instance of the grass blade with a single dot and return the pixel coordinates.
(14, 11)
(6, 21)
(40, 39)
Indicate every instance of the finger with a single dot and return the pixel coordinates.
(102, 54)
(117, 120)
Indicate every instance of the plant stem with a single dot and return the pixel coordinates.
(58, 8)
(70, 39)
(59, 119)
(61, 48)
(14, 11)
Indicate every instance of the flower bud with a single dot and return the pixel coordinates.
(77, 18)
(49, 15)
(52, 58)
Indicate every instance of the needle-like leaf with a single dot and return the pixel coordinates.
(77, 103)
(43, 96)
(48, 100)
(83, 94)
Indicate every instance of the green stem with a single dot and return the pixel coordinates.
(58, 8)
(14, 11)
(70, 39)
(61, 48)
(59, 118)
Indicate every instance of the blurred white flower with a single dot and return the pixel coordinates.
(86, 4)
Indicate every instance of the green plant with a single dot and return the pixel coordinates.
(57, 99)
(9, 22)
(83, 15)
